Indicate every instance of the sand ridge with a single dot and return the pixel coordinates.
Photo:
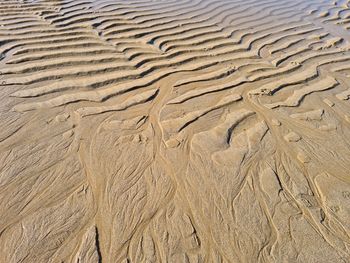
(174, 131)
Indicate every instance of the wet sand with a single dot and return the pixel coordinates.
(175, 131)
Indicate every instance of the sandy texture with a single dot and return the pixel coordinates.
(175, 131)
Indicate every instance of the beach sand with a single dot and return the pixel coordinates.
(175, 131)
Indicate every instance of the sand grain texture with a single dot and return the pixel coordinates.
(174, 131)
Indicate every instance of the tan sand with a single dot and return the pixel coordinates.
(175, 131)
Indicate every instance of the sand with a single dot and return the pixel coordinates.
(175, 131)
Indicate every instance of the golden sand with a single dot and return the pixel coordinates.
(175, 131)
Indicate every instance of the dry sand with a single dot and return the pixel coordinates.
(175, 131)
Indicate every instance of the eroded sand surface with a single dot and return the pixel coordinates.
(175, 131)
